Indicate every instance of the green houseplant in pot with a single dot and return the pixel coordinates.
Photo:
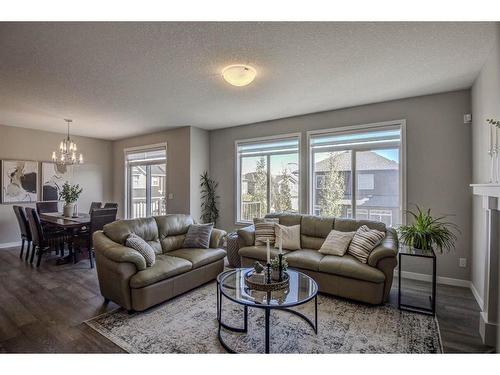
(209, 197)
(70, 194)
(427, 232)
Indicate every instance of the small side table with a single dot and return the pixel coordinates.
(232, 248)
(411, 252)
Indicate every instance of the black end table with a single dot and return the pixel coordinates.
(412, 252)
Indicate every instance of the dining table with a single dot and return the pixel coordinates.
(71, 225)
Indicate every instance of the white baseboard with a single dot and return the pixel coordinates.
(440, 279)
(9, 244)
(476, 295)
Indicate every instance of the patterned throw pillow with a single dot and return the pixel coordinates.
(363, 242)
(198, 236)
(336, 243)
(289, 235)
(145, 249)
(264, 230)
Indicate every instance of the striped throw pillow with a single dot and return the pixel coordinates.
(363, 242)
(142, 247)
(264, 230)
(198, 236)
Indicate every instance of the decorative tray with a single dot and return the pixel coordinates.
(257, 282)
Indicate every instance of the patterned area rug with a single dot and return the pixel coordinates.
(188, 324)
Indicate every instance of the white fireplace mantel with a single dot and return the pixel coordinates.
(491, 204)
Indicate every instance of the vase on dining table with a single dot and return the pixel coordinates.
(68, 209)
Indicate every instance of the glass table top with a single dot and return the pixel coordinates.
(301, 289)
(408, 250)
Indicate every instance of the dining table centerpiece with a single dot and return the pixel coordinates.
(70, 194)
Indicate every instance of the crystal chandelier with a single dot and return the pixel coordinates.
(67, 151)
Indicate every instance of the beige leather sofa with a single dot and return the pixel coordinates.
(122, 272)
(341, 276)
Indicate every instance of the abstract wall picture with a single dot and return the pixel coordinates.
(19, 181)
(53, 178)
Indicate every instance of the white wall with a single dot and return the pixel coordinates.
(485, 104)
(94, 176)
(199, 162)
(438, 159)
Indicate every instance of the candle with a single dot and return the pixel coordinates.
(491, 138)
(497, 138)
(268, 252)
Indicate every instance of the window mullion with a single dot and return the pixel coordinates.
(148, 190)
(268, 184)
(353, 183)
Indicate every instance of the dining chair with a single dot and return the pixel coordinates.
(24, 228)
(94, 205)
(111, 205)
(41, 239)
(47, 207)
(99, 217)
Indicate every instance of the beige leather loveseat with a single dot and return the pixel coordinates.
(342, 276)
(122, 272)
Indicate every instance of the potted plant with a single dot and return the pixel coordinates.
(209, 197)
(70, 194)
(427, 232)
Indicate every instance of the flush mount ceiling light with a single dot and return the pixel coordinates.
(239, 74)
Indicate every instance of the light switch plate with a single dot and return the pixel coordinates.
(463, 262)
(170, 195)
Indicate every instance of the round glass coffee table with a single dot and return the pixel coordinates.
(231, 284)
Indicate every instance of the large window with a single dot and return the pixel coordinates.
(268, 177)
(146, 172)
(357, 173)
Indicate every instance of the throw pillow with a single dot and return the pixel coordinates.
(363, 242)
(264, 230)
(336, 243)
(198, 236)
(289, 235)
(145, 249)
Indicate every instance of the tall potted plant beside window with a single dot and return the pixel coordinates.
(209, 197)
(427, 232)
(70, 194)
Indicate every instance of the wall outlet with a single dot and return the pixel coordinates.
(171, 196)
(463, 262)
(467, 118)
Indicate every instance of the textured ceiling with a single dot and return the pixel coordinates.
(121, 79)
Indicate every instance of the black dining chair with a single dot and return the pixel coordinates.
(99, 217)
(111, 205)
(41, 239)
(94, 205)
(47, 207)
(24, 228)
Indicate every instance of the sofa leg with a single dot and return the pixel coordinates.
(131, 311)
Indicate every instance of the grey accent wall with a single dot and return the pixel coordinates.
(95, 175)
(439, 162)
(178, 167)
(485, 104)
(199, 161)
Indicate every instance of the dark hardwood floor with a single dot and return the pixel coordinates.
(42, 310)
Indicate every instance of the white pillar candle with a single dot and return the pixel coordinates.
(497, 137)
(491, 137)
(268, 252)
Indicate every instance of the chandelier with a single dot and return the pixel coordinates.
(67, 151)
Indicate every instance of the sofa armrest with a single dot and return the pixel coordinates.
(246, 236)
(216, 238)
(116, 252)
(388, 248)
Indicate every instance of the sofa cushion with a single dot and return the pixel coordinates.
(306, 259)
(141, 246)
(351, 225)
(258, 252)
(363, 242)
(336, 243)
(145, 228)
(166, 266)
(316, 226)
(288, 237)
(199, 257)
(286, 218)
(348, 266)
(308, 242)
(172, 230)
(198, 236)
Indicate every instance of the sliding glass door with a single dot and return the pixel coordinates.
(146, 183)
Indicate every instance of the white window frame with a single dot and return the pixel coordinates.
(126, 187)
(237, 169)
(385, 125)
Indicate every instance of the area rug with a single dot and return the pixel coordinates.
(188, 324)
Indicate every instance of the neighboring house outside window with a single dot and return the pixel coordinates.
(268, 177)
